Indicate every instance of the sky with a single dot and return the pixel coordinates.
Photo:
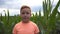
(15, 5)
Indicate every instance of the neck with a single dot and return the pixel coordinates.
(25, 21)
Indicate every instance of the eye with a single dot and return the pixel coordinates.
(23, 13)
(27, 13)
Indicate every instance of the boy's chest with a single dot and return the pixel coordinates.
(24, 29)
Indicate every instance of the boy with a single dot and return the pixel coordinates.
(25, 26)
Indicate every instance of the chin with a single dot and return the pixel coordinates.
(26, 21)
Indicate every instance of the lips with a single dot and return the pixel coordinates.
(25, 18)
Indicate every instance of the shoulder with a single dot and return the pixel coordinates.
(34, 24)
(36, 29)
(17, 25)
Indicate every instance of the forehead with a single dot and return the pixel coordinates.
(25, 10)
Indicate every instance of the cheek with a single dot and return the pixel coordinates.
(21, 16)
(28, 15)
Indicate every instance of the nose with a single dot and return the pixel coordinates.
(25, 14)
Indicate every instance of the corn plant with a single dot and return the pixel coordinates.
(49, 20)
(46, 23)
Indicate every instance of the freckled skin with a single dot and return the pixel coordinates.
(25, 15)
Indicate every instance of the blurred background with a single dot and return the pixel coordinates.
(45, 13)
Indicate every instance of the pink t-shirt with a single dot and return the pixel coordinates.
(25, 28)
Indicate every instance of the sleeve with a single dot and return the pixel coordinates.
(36, 29)
(14, 30)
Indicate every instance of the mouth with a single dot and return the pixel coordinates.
(25, 18)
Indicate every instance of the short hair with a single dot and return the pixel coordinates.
(24, 6)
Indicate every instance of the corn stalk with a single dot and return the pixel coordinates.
(49, 19)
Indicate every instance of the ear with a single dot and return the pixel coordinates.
(30, 13)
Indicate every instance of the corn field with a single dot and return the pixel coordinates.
(48, 24)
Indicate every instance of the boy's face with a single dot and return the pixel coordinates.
(25, 14)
